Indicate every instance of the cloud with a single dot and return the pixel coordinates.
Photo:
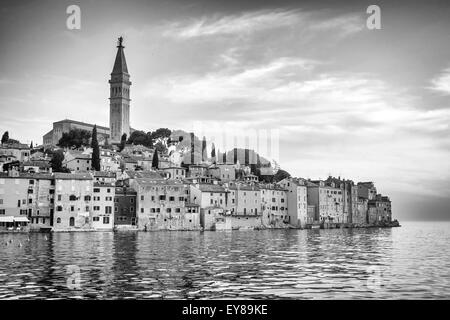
(233, 24)
(441, 83)
(263, 20)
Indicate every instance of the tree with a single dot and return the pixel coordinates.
(161, 135)
(141, 138)
(204, 155)
(280, 175)
(95, 150)
(160, 147)
(75, 138)
(57, 160)
(155, 161)
(213, 153)
(123, 141)
(224, 157)
(5, 137)
(31, 145)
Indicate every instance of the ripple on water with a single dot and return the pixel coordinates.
(275, 264)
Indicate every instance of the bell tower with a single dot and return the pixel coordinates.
(119, 97)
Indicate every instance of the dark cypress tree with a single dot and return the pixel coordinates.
(57, 160)
(123, 141)
(31, 145)
(95, 150)
(235, 155)
(213, 153)
(155, 161)
(5, 137)
(204, 155)
(224, 157)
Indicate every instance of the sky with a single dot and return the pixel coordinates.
(366, 105)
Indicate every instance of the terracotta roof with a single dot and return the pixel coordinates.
(144, 174)
(208, 187)
(72, 176)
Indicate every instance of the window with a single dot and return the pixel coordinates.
(108, 209)
(162, 197)
(71, 221)
(105, 220)
(87, 198)
(58, 220)
(96, 208)
(72, 208)
(131, 209)
(142, 197)
(30, 200)
(72, 198)
(95, 219)
(59, 197)
(108, 190)
(59, 208)
(142, 210)
(2, 211)
(131, 200)
(171, 198)
(96, 190)
(169, 210)
(31, 181)
(86, 209)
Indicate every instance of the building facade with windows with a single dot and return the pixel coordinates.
(125, 204)
(161, 204)
(73, 201)
(102, 213)
(297, 201)
(274, 204)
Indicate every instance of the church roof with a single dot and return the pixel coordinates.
(120, 65)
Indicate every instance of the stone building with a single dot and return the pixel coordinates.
(77, 161)
(274, 205)
(73, 201)
(327, 197)
(15, 151)
(379, 209)
(367, 190)
(25, 199)
(296, 201)
(161, 205)
(52, 137)
(102, 213)
(125, 208)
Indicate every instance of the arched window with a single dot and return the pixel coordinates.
(58, 220)
(71, 221)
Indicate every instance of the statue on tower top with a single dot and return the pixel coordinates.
(120, 42)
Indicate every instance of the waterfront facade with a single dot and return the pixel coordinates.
(102, 214)
(161, 204)
(296, 201)
(125, 200)
(73, 201)
(273, 204)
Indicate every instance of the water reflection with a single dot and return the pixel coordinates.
(407, 262)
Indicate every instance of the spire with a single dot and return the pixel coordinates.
(120, 65)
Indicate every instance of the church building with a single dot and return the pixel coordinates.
(119, 108)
